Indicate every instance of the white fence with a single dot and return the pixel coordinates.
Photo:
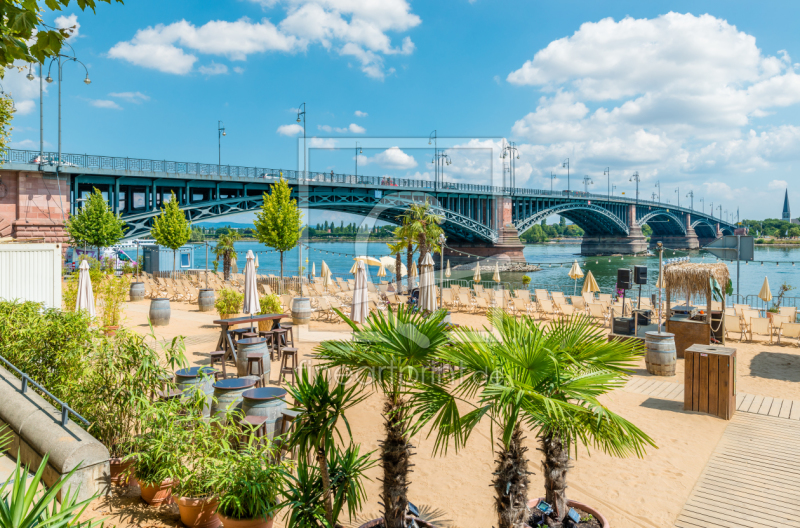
(31, 272)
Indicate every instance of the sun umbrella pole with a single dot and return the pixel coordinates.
(660, 280)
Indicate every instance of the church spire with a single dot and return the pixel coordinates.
(787, 214)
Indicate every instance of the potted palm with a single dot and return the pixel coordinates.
(229, 303)
(268, 304)
(319, 494)
(548, 378)
(390, 352)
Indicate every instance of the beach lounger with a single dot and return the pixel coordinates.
(791, 330)
(760, 326)
(790, 311)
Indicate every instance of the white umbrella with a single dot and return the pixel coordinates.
(575, 273)
(313, 270)
(447, 271)
(85, 299)
(496, 276)
(382, 271)
(390, 264)
(256, 261)
(427, 288)
(477, 276)
(354, 268)
(251, 301)
(325, 273)
(372, 261)
(359, 310)
(414, 271)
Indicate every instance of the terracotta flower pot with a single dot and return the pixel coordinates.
(575, 504)
(199, 513)
(375, 523)
(110, 331)
(156, 495)
(229, 522)
(119, 476)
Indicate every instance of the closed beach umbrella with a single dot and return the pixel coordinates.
(256, 261)
(447, 271)
(354, 268)
(85, 299)
(427, 288)
(390, 264)
(575, 273)
(234, 267)
(313, 269)
(589, 284)
(359, 310)
(325, 273)
(414, 271)
(251, 302)
(477, 276)
(496, 276)
(382, 271)
(765, 295)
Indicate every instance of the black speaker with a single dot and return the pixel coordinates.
(624, 279)
(640, 274)
(622, 326)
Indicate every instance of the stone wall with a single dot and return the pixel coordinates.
(32, 206)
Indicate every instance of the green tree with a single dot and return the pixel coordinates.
(6, 115)
(95, 224)
(25, 37)
(423, 225)
(548, 378)
(794, 232)
(197, 234)
(226, 251)
(279, 223)
(647, 230)
(171, 228)
(396, 249)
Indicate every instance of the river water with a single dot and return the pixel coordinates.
(555, 260)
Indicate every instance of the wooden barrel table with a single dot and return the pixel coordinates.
(269, 402)
(159, 312)
(301, 310)
(228, 395)
(660, 356)
(205, 300)
(200, 379)
(252, 345)
(137, 291)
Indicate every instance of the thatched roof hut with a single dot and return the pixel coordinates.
(687, 279)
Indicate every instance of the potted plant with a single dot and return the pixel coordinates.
(384, 353)
(113, 292)
(269, 304)
(526, 280)
(228, 303)
(776, 304)
(250, 484)
(319, 494)
(548, 378)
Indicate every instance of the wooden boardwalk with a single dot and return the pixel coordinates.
(748, 403)
(752, 479)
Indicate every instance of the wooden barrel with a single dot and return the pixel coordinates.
(200, 379)
(137, 291)
(251, 345)
(205, 300)
(660, 356)
(228, 395)
(266, 401)
(159, 312)
(301, 310)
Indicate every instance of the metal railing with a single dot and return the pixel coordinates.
(66, 410)
(91, 161)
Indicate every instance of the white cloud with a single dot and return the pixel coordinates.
(25, 144)
(391, 158)
(24, 107)
(357, 29)
(105, 103)
(131, 97)
(359, 113)
(777, 185)
(323, 143)
(69, 22)
(355, 129)
(238, 69)
(290, 130)
(214, 68)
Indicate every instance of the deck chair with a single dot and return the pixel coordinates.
(791, 330)
(447, 297)
(604, 298)
(464, 302)
(519, 305)
(588, 297)
(733, 324)
(481, 304)
(775, 324)
(791, 311)
(558, 298)
(567, 311)
(738, 307)
(760, 326)
(541, 295)
(478, 289)
(747, 315)
(546, 308)
(578, 302)
(598, 313)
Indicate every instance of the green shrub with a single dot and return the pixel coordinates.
(526, 280)
(270, 304)
(228, 302)
(113, 291)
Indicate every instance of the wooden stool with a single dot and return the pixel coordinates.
(279, 338)
(287, 422)
(237, 333)
(257, 424)
(248, 335)
(218, 356)
(256, 359)
(291, 332)
(289, 353)
(270, 337)
(169, 394)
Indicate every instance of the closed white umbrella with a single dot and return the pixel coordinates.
(85, 300)
(382, 271)
(477, 276)
(256, 261)
(313, 270)
(575, 273)
(496, 276)
(251, 302)
(359, 310)
(447, 271)
(414, 271)
(427, 288)
(390, 264)
(325, 273)
(354, 268)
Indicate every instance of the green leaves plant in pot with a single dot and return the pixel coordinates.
(112, 293)
(269, 304)
(228, 303)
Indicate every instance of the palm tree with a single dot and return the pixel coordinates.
(548, 379)
(408, 237)
(423, 225)
(396, 249)
(226, 250)
(391, 352)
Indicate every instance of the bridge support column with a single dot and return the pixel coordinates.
(633, 243)
(690, 241)
(508, 248)
(31, 207)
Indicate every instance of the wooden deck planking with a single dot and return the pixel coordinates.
(748, 399)
(753, 476)
(775, 409)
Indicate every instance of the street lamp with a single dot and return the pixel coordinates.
(509, 151)
(433, 138)
(220, 133)
(586, 182)
(658, 184)
(690, 194)
(303, 113)
(678, 191)
(566, 164)
(702, 206)
(613, 188)
(607, 174)
(442, 240)
(653, 196)
(358, 151)
(552, 177)
(636, 178)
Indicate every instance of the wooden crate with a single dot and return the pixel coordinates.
(688, 333)
(710, 380)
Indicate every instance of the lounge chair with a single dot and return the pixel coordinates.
(791, 330)
(760, 326)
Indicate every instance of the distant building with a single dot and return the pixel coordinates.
(787, 213)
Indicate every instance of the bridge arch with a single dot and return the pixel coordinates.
(663, 222)
(593, 219)
(705, 228)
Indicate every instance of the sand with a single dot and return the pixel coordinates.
(631, 492)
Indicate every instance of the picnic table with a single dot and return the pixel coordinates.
(226, 343)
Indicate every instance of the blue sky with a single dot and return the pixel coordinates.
(699, 96)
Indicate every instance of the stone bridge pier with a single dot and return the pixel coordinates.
(688, 241)
(34, 205)
(630, 244)
(508, 247)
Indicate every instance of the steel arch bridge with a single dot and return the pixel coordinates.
(137, 188)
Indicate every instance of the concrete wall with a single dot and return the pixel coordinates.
(32, 205)
(31, 272)
(37, 430)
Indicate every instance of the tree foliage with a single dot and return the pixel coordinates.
(95, 224)
(171, 228)
(279, 223)
(6, 115)
(226, 251)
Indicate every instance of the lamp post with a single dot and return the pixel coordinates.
(509, 151)
(690, 194)
(586, 182)
(658, 184)
(31, 77)
(653, 196)
(566, 164)
(719, 207)
(635, 177)
(712, 209)
(702, 206)
(678, 191)
(613, 188)
(432, 139)
(220, 133)
(442, 240)
(358, 151)
(439, 159)
(552, 177)
(607, 174)
(303, 113)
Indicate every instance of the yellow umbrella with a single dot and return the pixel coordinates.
(447, 271)
(496, 276)
(575, 273)
(589, 284)
(477, 276)
(354, 268)
(372, 261)
(765, 295)
(382, 271)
